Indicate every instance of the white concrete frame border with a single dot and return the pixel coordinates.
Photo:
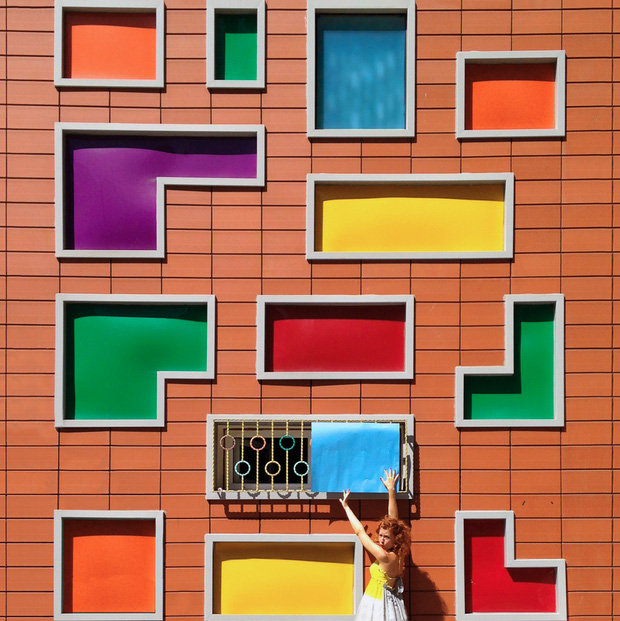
(108, 6)
(155, 516)
(162, 376)
(523, 57)
(460, 373)
(262, 301)
(510, 562)
(211, 541)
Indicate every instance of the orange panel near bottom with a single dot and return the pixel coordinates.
(116, 46)
(510, 96)
(108, 566)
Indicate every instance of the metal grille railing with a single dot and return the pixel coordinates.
(264, 454)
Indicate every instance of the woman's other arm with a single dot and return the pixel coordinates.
(373, 548)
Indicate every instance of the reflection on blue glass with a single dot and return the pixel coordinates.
(353, 456)
(360, 81)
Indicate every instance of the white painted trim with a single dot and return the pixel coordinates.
(357, 7)
(132, 129)
(358, 572)
(232, 7)
(108, 6)
(162, 376)
(335, 300)
(510, 562)
(507, 368)
(407, 453)
(507, 179)
(155, 516)
(524, 57)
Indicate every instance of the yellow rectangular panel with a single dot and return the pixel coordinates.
(283, 578)
(410, 218)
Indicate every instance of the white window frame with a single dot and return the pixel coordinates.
(108, 6)
(460, 373)
(358, 572)
(509, 562)
(525, 57)
(238, 7)
(132, 129)
(356, 7)
(335, 300)
(154, 516)
(162, 376)
(507, 179)
(215, 493)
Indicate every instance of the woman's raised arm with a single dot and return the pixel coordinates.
(391, 478)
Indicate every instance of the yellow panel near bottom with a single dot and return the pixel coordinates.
(256, 578)
(412, 218)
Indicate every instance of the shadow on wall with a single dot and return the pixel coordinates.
(424, 601)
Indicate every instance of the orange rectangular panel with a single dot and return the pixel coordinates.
(510, 96)
(108, 566)
(110, 45)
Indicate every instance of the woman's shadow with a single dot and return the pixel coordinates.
(422, 600)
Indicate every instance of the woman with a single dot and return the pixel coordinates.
(383, 598)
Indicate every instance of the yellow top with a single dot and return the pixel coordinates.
(378, 578)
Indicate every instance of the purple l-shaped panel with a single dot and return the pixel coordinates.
(112, 184)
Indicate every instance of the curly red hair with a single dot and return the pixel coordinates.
(400, 531)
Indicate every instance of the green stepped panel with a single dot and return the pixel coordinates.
(113, 353)
(528, 392)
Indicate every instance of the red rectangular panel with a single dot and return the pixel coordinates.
(334, 338)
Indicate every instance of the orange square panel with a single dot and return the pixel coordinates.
(111, 45)
(510, 94)
(108, 564)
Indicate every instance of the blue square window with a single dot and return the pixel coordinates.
(361, 71)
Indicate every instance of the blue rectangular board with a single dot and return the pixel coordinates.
(361, 71)
(353, 456)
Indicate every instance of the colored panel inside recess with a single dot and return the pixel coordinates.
(353, 456)
(492, 588)
(110, 182)
(253, 578)
(509, 96)
(334, 338)
(529, 392)
(107, 45)
(360, 71)
(235, 46)
(409, 218)
(114, 351)
(108, 566)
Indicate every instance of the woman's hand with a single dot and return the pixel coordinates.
(391, 478)
(345, 498)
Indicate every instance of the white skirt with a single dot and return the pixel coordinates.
(390, 608)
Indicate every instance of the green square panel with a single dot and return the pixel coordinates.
(235, 46)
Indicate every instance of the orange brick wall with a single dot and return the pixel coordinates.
(237, 244)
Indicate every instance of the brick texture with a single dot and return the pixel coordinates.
(561, 483)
